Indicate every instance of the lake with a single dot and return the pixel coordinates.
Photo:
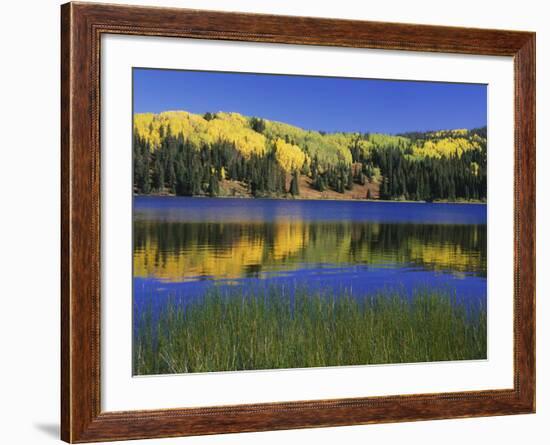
(183, 246)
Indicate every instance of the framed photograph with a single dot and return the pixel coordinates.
(275, 222)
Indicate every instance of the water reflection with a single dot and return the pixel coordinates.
(178, 244)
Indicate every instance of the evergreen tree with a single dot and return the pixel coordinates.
(257, 124)
(349, 182)
(158, 175)
(294, 187)
(213, 185)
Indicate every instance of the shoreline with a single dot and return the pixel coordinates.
(282, 198)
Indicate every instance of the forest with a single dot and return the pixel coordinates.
(228, 154)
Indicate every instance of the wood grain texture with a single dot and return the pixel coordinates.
(81, 28)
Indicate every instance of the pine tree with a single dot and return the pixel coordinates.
(349, 182)
(257, 125)
(158, 175)
(213, 185)
(294, 187)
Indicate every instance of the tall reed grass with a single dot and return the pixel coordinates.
(270, 328)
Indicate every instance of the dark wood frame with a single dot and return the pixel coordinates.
(82, 25)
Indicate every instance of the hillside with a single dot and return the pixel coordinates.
(228, 154)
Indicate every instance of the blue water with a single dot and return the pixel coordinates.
(183, 246)
(180, 209)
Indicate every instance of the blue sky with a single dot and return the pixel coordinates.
(316, 103)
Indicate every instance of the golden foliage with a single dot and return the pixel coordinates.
(329, 148)
(231, 127)
(445, 147)
(289, 156)
(294, 146)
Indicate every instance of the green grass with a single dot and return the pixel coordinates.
(268, 329)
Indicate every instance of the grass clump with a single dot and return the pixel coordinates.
(274, 328)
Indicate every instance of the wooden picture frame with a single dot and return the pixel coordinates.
(82, 25)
